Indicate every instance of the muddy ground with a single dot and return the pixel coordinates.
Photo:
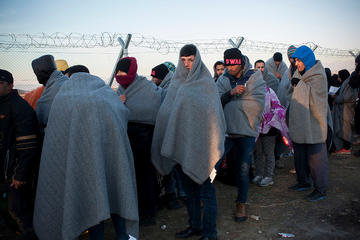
(281, 211)
(336, 217)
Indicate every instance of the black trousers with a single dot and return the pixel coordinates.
(20, 208)
(140, 136)
(357, 118)
(311, 163)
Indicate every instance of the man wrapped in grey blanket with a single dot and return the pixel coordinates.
(190, 132)
(87, 170)
(143, 99)
(45, 70)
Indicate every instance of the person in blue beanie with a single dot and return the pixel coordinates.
(308, 124)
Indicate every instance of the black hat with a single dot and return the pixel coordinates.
(233, 56)
(160, 71)
(75, 69)
(43, 67)
(6, 76)
(188, 50)
(277, 57)
(123, 65)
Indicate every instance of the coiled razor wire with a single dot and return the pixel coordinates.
(9, 41)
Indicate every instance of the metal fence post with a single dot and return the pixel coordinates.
(123, 53)
(238, 42)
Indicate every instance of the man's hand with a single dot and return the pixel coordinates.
(239, 89)
(17, 184)
(123, 98)
(278, 75)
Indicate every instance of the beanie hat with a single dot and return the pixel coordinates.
(6, 76)
(188, 50)
(75, 69)
(343, 74)
(128, 65)
(277, 57)
(170, 66)
(291, 51)
(61, 65)
(306, 55)
(160, 71)
(233, 56)
(123, 65)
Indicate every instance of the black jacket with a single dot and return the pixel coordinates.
(19, 141)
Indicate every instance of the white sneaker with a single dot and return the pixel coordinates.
(266, 181)
(257, 179)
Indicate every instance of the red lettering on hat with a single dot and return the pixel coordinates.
(152, 72)
(233, 61)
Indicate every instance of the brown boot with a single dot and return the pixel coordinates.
(240, 214)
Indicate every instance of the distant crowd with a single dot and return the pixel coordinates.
(74, 152)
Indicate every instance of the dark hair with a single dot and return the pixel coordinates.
(357, 59)
(217, 63)
(343, 74)
(75, 69)
(335, 80)
(188, 50)
(259, 61)
(277, 57)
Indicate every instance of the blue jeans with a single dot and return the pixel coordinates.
(195, 194)
(242, 148)
(172, 182)
(97, 232)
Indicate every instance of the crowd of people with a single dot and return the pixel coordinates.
(74, 152)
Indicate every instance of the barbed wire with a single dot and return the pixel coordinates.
(10, 41)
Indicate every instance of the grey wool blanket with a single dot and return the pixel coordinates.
(52, 87)
(343, 112)
(166, 81)
(285, 89)
(143, 99)
(308, 107)
(190, 126)
(86, 169)
(271, 81)
(271, 67)
(244, 113)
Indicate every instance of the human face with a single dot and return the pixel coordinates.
(156, 81)
(235, 70)
(188, 61)
(299, 64)
(277, 63)
(121, 73)
(260, 66)
(5, 88)
(219, 69)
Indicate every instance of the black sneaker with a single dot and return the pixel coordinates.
(299, 187)
(315, 196)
